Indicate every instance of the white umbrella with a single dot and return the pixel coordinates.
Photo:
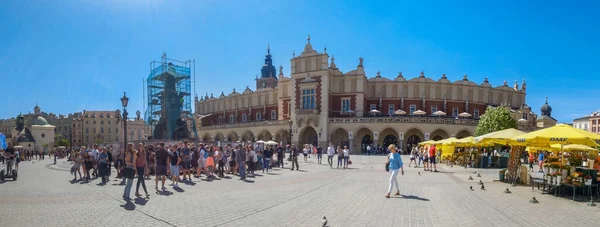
(439, 113)
(271, 142)
(464, 114)
(374, 111)
(400, 112)
(260, 141)
(419, 112)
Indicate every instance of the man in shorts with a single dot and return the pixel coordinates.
(432, 158)
(162, 160)
(186, 156)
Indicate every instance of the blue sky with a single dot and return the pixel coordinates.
(75, 55)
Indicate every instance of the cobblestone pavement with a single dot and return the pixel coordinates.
(44, 196)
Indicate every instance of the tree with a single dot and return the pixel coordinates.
(495, 119)
(62, 142)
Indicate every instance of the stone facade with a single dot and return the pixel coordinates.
(106, 127)
(590, 123)
(318, 103)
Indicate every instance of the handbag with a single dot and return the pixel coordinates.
(387, 166)
(349, 162)
(128, 172)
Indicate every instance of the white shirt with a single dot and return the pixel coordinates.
(254, 156)
(201, 156)
(330, 151)
(346, 152)
(94, 154)
(368, 148)
(305, 150)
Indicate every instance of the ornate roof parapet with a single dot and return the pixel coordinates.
(247, 90)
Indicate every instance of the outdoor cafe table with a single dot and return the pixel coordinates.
(575, 187)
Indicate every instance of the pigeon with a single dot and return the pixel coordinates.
(482, 187)
(419, 173)
(471, 188)
(507, 191)
(470, 178)
(324, 221)
(478, 175)
(475, 172)
(481, 183)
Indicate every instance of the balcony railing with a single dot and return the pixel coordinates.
(245, 125)
(406, 119)
(306, 111)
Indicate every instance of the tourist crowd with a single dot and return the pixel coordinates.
(183, 161)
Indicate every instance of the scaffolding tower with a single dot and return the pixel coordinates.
(169, 99)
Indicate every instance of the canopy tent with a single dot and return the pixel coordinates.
(558, 134)
(499, 137)
(3, 144)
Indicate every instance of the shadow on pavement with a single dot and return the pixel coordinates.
(140, 201)
(411, 197)
(178, 189)
(164, 193)
(129, 205)
(248, 181)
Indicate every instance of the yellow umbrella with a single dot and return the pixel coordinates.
(558, 134)
(428, 142)
(499, 137)
(464, 142)
(448, 141)
(573, 147)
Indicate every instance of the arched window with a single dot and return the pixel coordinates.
(258, 116)
(273, 114)
(244, 117)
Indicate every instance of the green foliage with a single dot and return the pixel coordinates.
(495, 119)
(62, 142)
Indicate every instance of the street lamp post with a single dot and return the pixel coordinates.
(290, 123)
(124, 102)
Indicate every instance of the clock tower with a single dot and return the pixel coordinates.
(268, 73)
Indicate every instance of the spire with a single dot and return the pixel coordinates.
(268, 49)
(505, 83)
(325, 49)
(444, 76)
(516, 86)
(524, 85)
(308, 38)
(332, 65)
(422, 74)
(465, 78)
(360, 62)
(400, 75)
(546, 99)
(378, 74)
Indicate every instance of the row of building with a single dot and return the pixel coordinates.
(38, 129)
(318, 103)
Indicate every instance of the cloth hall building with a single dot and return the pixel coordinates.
(318, 103)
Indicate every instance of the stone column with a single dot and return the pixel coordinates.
(375, 139)
(401, 141)
(351, 141)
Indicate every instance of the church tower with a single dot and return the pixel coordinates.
(268, 73)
